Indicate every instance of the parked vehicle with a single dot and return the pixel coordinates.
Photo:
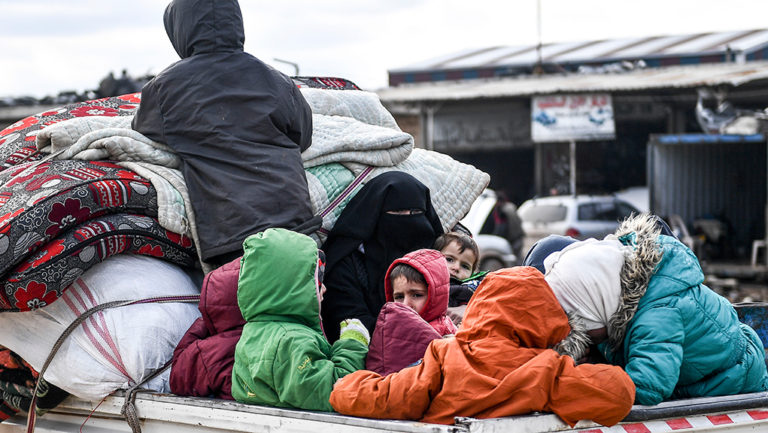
(495, 251)
(580, 216)
(637, 196)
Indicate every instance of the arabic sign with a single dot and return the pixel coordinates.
(572, 117)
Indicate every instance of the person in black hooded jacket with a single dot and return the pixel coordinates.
(238, 125)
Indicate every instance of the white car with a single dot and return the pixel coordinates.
(580, 217)
(495, 251)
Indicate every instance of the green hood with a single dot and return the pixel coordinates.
(277, 278)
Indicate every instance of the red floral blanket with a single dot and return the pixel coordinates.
(40, 200)
(17, 141)
(42, 277)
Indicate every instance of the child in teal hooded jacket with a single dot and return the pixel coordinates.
(645, 293)
(283, 358)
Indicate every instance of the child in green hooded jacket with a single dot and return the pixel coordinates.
(283, 358)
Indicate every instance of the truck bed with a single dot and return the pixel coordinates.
(168, 413)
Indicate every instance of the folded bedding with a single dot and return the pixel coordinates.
(354, 139)
(42, 278)
(38, 201)
(17, 141)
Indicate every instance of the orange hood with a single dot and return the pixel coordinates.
(515, 308)
(498, 364)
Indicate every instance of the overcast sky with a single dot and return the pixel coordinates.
(51, 45)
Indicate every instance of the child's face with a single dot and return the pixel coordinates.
(459, 262)
(410, 293)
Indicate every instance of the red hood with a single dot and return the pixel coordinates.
(432, 265)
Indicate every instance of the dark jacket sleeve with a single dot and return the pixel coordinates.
(149, 116)
(460, 294)
(345, 299)
(300, 128)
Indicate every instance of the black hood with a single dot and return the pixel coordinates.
(204, 26)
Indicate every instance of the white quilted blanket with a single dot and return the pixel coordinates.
(353, 126)
(356, 130)
(104, 137)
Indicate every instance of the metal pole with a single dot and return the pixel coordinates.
(573, 167)
(295, 66)
(538, 69)
(429, 143)
(765, 248)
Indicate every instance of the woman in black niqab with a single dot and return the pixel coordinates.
(389, 217)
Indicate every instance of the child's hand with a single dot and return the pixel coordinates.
(355, 330)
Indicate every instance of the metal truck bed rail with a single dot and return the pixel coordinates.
(161, 413)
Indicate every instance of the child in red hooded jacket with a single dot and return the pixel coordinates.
(416, 287)
(420, 280)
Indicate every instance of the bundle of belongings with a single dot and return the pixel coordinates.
(98, 242)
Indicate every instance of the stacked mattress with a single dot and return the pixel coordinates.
(75, 234)
(78, 233)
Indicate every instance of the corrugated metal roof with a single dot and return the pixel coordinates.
(711, 74)
(598, 51)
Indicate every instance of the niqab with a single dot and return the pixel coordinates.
(385, 237)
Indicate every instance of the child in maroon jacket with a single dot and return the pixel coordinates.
(416, 288)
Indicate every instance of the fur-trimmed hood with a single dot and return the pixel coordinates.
(576, 343)
(641, 233)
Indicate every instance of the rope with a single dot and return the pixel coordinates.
(31, 416)
(128, 411)
(343, 195)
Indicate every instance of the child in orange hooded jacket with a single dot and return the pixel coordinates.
(500, 363)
